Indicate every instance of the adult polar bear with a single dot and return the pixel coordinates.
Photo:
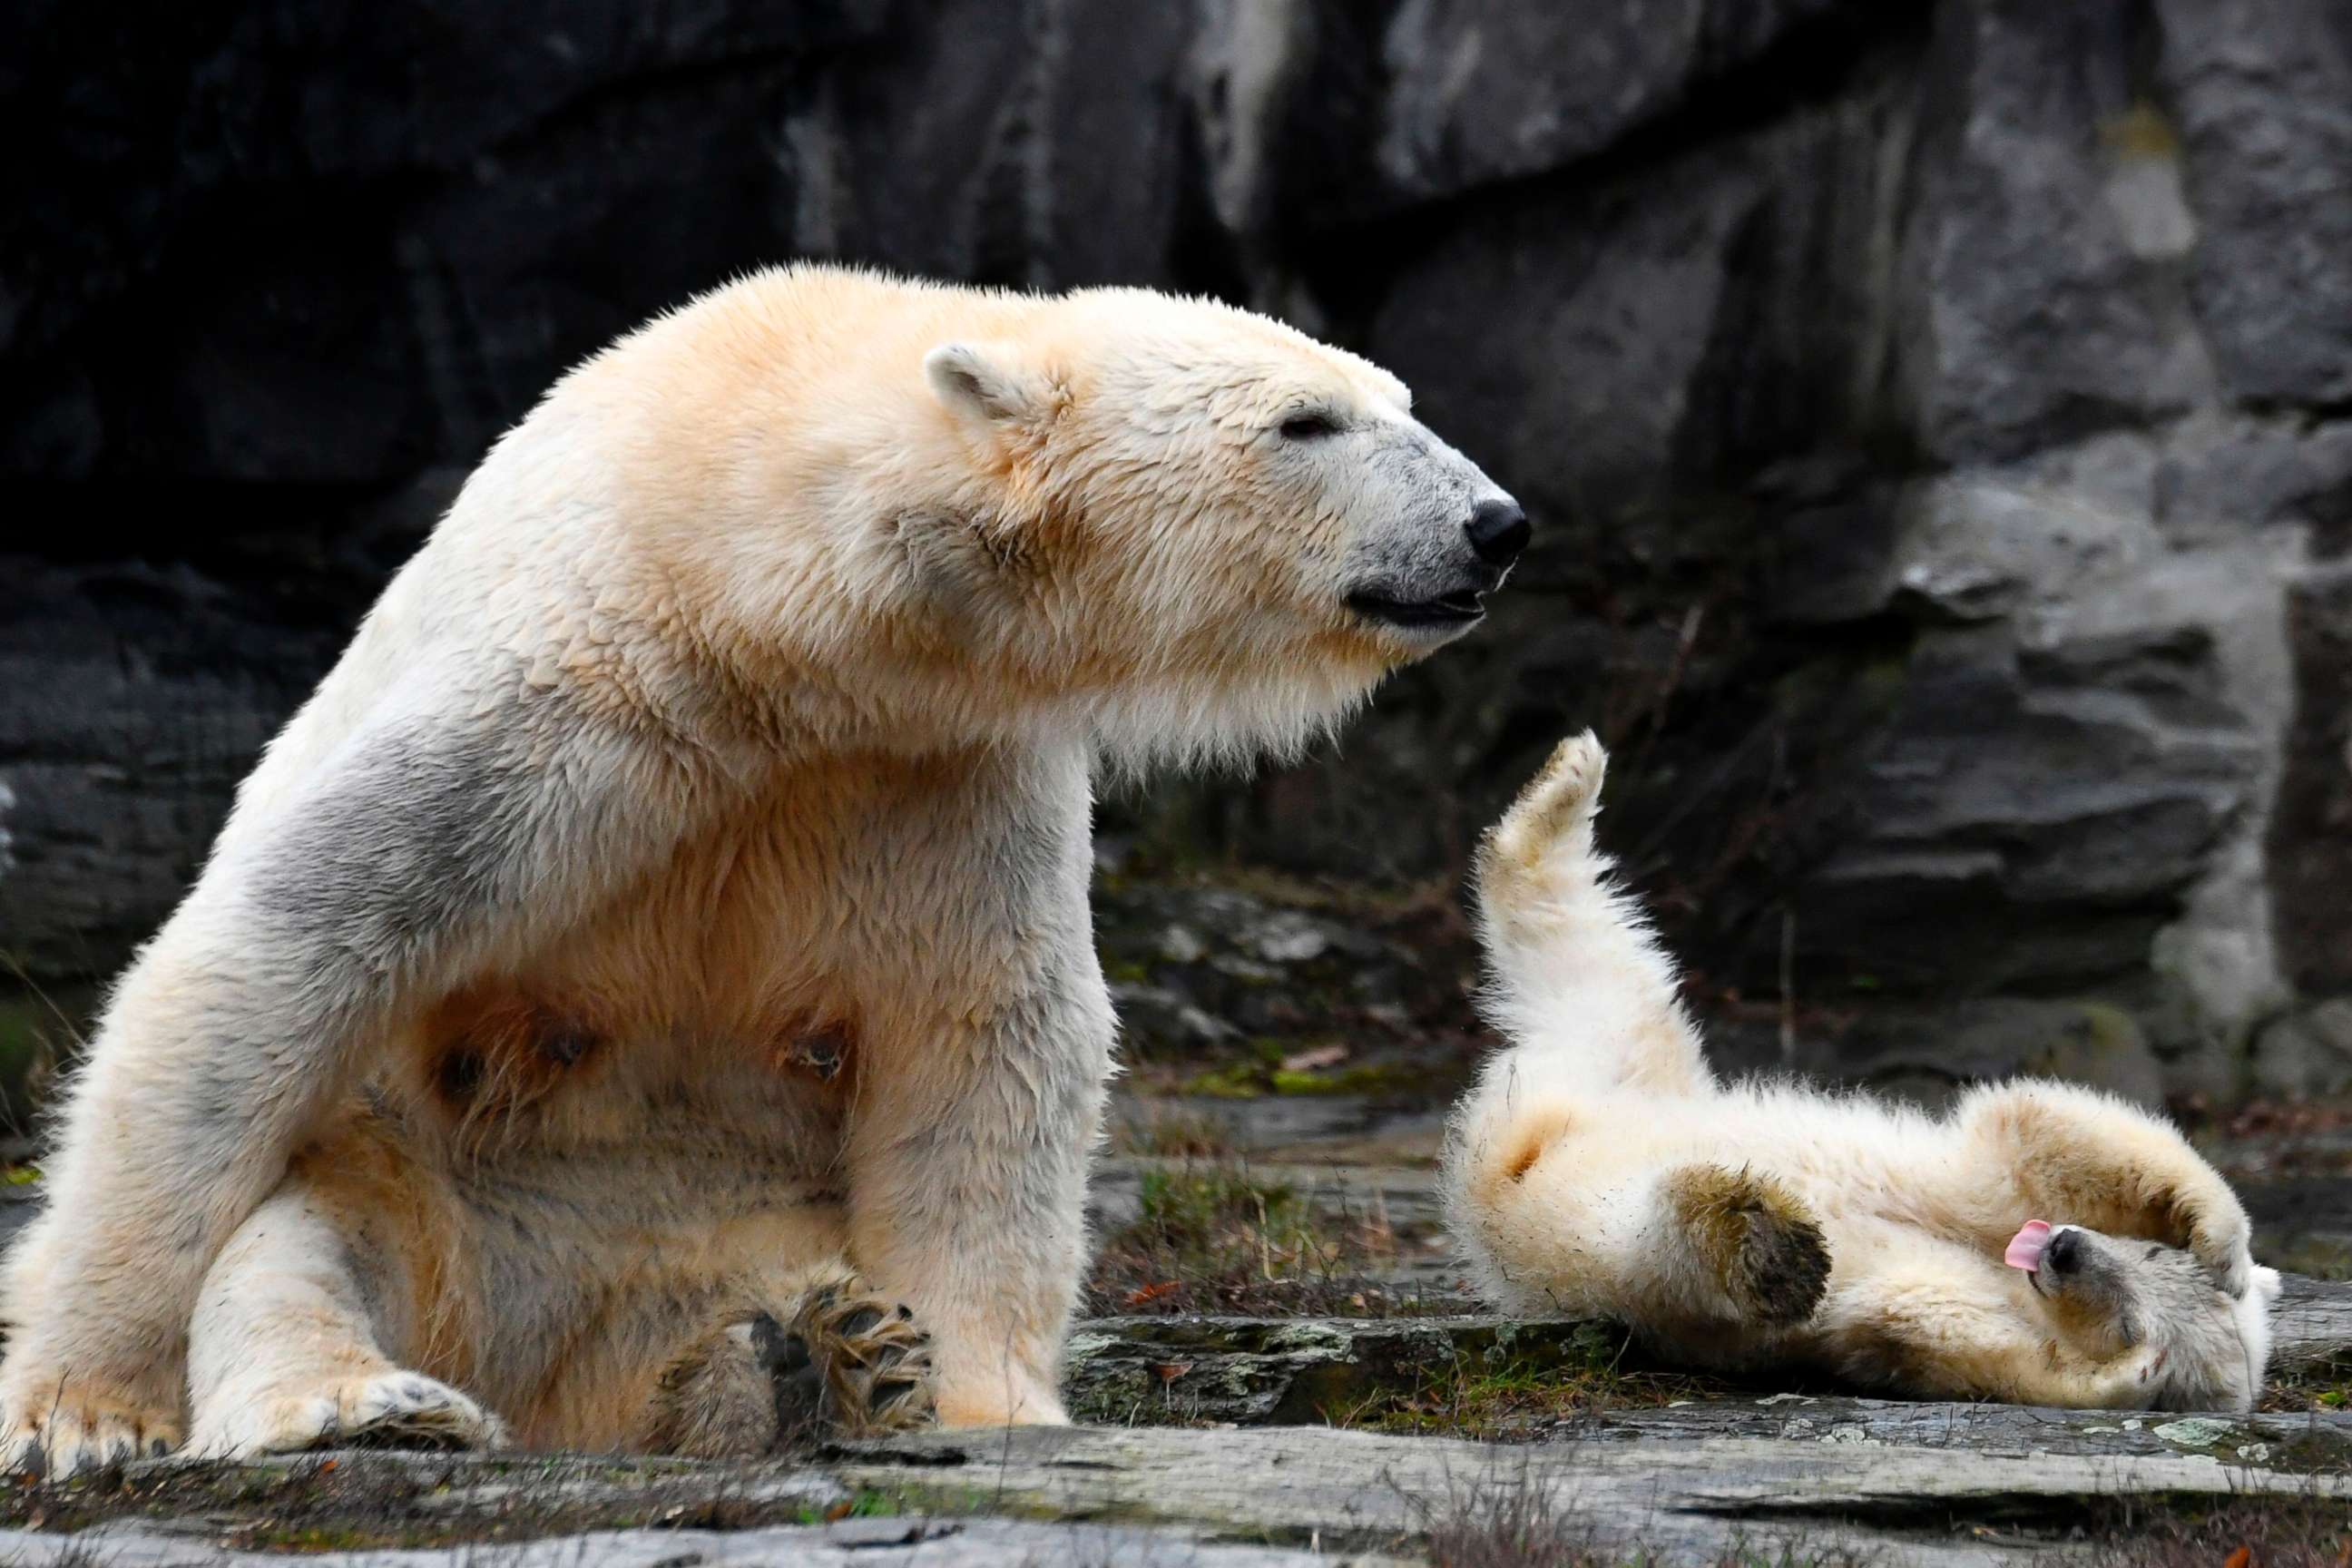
(677, 892)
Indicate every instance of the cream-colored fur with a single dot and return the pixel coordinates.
(1599, 1167)
(674, 901)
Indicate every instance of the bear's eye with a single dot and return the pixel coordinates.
(1312, 425)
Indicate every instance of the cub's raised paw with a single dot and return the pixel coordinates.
(1556, 810)
(53, 1433)
(389, 1410)
(2220, 1237)
(848, 1365)
(1762, 1246)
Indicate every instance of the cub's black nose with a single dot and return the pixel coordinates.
(1499, 531)
(2064, 1250)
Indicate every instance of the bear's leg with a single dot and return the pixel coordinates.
(424, 844)
(1602, 1206)
(967, 1196)
(838, 1362)
(1575, 967)
(2037, 1150)
(284, 1352)
(981, 1063)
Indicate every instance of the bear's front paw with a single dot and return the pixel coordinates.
(52, 1426)
(1763, 1248)
(848, 1365)
(2214, 1228)
(388, 1410)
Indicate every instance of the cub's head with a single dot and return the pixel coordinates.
(1216, 531)
(2201, 1348)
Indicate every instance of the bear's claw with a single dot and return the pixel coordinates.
(849, 1365)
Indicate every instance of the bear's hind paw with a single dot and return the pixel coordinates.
(849, 1365)
(1556, 811)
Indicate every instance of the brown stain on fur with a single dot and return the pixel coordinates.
(492, 1052)
(1523, 1145)
(1760, 1241)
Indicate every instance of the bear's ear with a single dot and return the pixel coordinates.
(987, 381)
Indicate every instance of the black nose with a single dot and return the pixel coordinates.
(1499, 531)
(2064, 1249)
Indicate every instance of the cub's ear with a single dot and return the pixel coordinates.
(988, 381)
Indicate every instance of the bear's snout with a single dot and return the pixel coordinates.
(1498, 532)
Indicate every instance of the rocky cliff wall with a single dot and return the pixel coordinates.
(1939, 420)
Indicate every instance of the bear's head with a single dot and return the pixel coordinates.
(1214, 532)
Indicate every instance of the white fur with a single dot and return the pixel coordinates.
(1588, 1167)
(677, 893)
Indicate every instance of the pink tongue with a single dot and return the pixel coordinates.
(2025, 1246)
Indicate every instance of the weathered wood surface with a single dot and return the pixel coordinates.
(1672, 1499)
(376, 1509)
(1273, 1371)
(2312, 1324)
(1261, 1371)
(1901, 1482)
(852, 1543)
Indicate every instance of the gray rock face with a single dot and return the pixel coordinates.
(2044, 256)
(1481, 90)
(1934, 418)
(2263, 93)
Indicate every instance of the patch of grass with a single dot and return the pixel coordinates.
(2310, 1531)
(35, 1035)
(1519, 1397)
(1516, 1521)
(2322, 1384)
(1170, 1135)
(1212, 1236)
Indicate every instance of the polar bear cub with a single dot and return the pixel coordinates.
(1598, 1166)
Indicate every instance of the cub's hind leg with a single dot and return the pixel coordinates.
(287, 1351)
(1572, 963)
(1609, 1204)
(837, 1362)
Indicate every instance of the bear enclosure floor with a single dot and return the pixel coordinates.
(1280, 1365)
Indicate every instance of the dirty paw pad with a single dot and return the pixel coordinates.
(848, 1365)
(405, 1410)
(1765, 1249)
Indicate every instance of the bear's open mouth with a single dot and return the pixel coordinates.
(1457, 609)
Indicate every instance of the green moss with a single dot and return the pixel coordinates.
(1265, 1075)
(864, 1503)
(1490, 1391)
(1371, 1079)
(2142, 131)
